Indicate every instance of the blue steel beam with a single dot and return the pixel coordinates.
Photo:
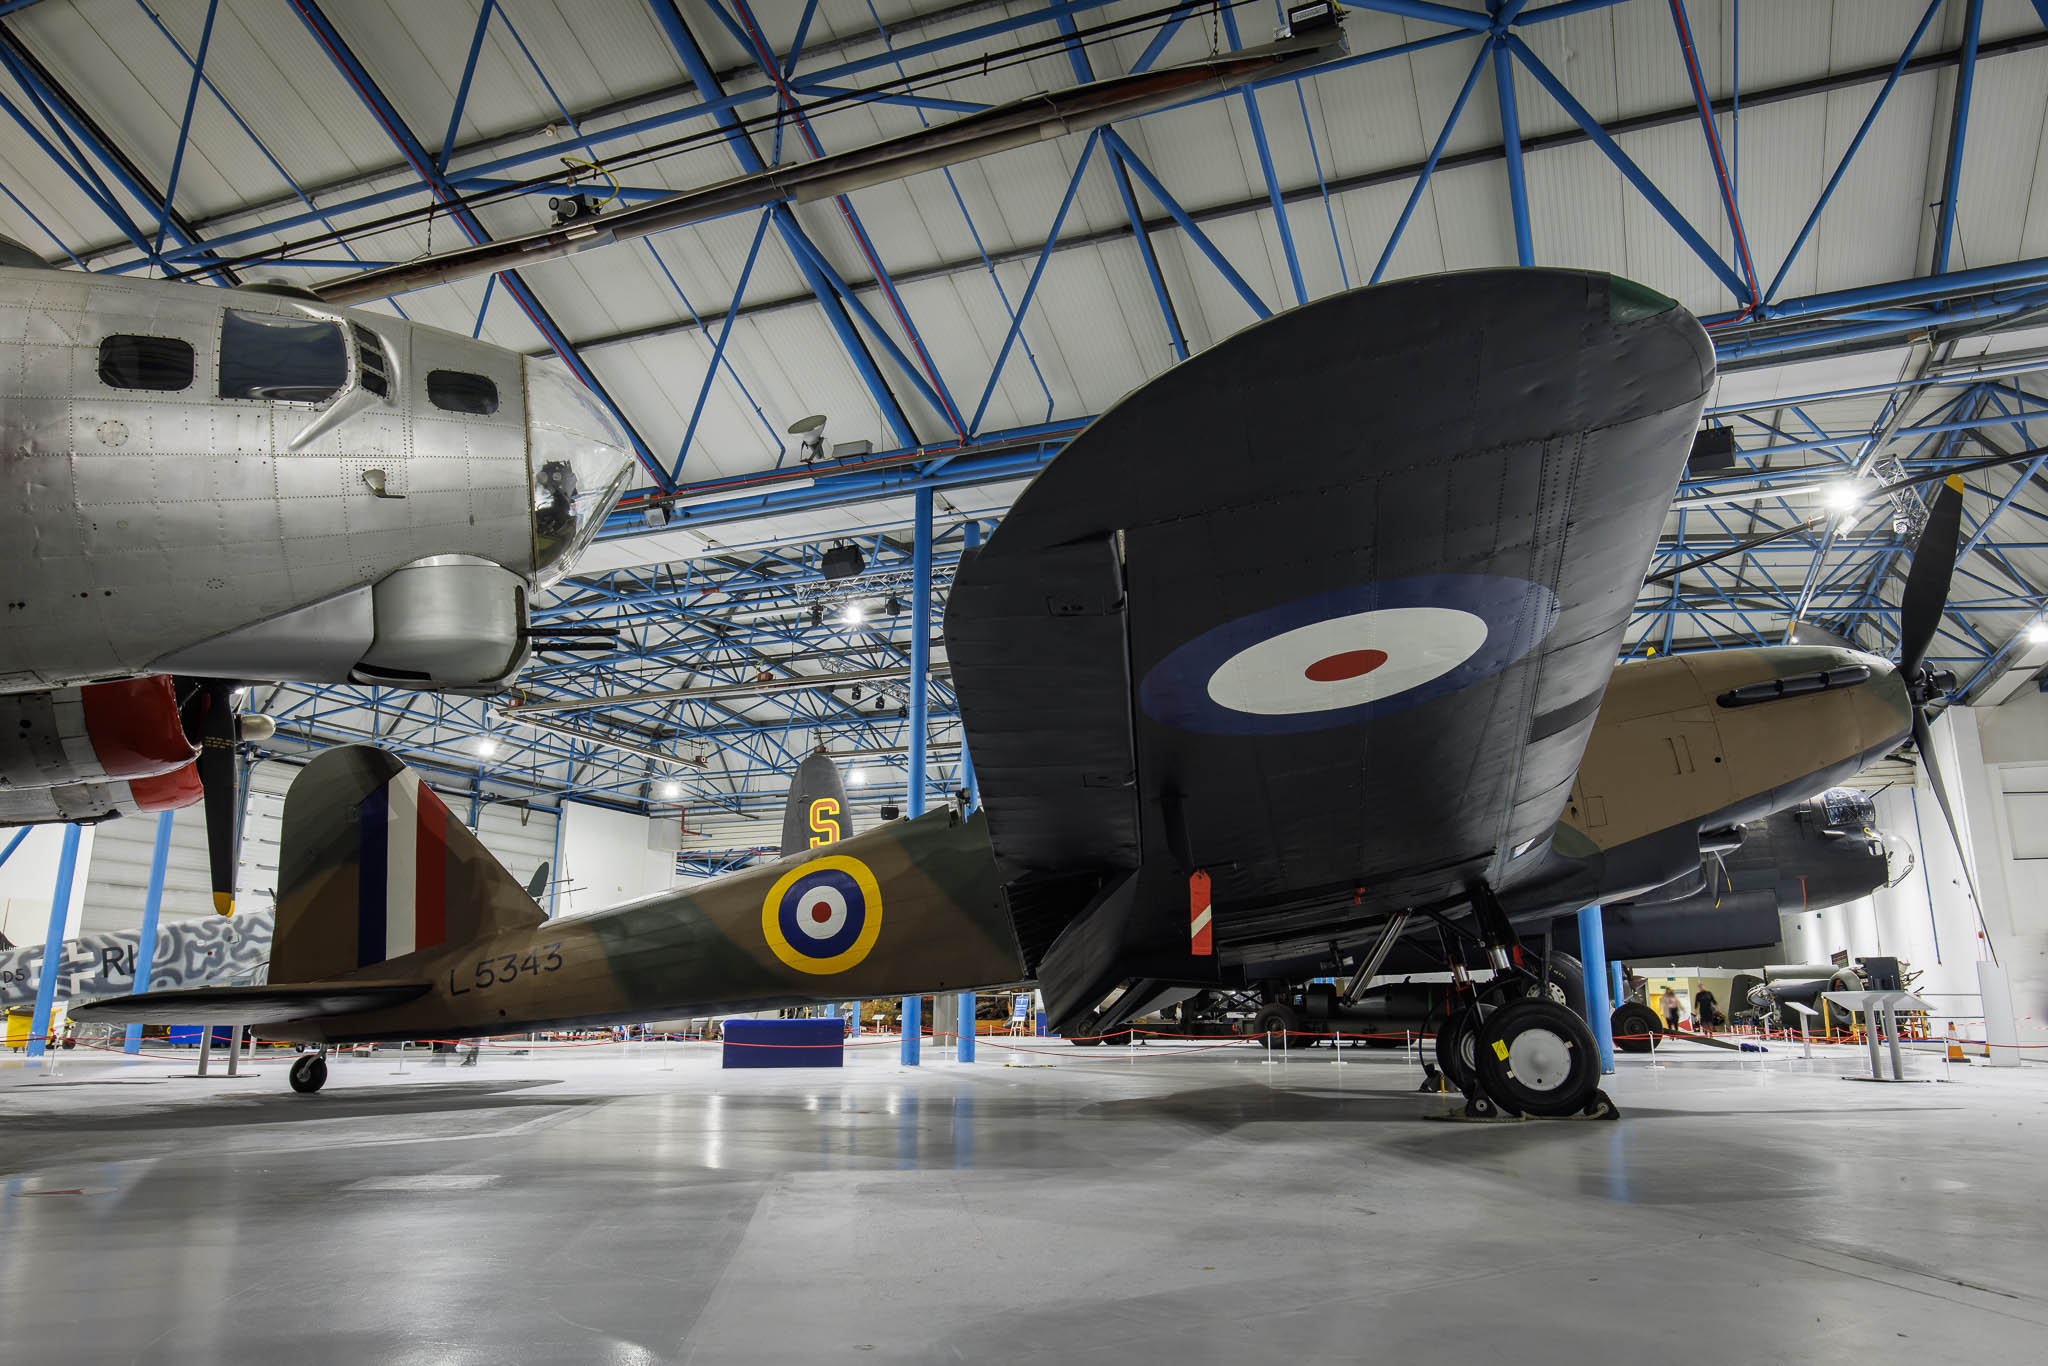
(1622, 162)
(1729, 206)
(1856, 142)
(1272, 178)
(831, 291)
(748, 30)
(409, 146)
(1084, 71)
(1436, 151)
(163, 221)
(1166, 201)
(476, 48)
(86, 136)
(1959, 126)
(1030, 288)
(718, 351)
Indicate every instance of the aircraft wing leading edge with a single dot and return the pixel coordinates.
(1326, 612)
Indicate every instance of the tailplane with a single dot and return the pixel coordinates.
(374, 867)
(816, 813)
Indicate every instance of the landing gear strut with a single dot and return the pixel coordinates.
(1518, 1050)
(309, 1072)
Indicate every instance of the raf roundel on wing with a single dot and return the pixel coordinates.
(824, 915)
(1350, 655)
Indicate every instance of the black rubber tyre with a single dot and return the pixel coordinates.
(1454, 1048)
(1091, 1041)
(1636, 1027)
(309, 1074)
(1382, 1039)
(1283, 1024)
(1537, 1058)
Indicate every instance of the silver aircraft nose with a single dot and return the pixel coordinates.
(579, 459)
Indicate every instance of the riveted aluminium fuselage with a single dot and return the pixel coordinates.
(138, 523)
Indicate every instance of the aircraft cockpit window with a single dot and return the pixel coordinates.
(161, 363)
(457, 391)
(292, 359)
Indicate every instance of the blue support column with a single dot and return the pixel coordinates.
(145, 944)
(15, 843)
(965, 1052)
(1599, 1009)
(53, 944)
(920, 716)
(1615, 984)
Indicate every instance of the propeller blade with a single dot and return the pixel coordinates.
(1923, 741)
(1927, 582)
(217, 782)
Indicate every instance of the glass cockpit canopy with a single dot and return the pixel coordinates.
(579, 457)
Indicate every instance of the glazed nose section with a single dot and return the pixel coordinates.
(579, 458)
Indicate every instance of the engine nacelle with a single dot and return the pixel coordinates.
(451, 622)
(70, 737)
(89, 803)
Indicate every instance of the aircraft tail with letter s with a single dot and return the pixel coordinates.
(816, 813)
(395, 922)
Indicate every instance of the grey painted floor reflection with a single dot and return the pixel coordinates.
(629, 1205)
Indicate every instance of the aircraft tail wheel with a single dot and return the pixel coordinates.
(1454, 1048)
(1636, 1027)
(309, 1073)
(1537, 1058)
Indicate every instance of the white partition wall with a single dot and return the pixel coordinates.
(28, 883)
(612, 856)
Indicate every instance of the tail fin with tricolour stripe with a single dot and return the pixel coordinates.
(374, 868)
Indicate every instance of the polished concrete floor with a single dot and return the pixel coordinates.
(635, 1204)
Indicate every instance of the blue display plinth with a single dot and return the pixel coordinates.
(784, 1043)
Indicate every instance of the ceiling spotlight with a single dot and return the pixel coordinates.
(2037, 634)
(817, 614)
(1846, 495)
(853, 614)
(668, 789)
(856, 692)
(892, 606)
(487, 746)
(856, 776)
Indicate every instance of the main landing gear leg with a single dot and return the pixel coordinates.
(309, 1072)
(1528, 1056)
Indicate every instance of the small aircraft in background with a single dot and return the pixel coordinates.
(201, 486)
(394, 922)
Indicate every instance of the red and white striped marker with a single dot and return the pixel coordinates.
(1200, 940)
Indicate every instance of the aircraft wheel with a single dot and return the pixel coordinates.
(309, 1073)
(1454, 1047)
(1636, 1027)
(1537, 1058)
(1283, 1024)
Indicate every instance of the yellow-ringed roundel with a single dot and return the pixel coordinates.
(823, 916)
(1346, 656)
